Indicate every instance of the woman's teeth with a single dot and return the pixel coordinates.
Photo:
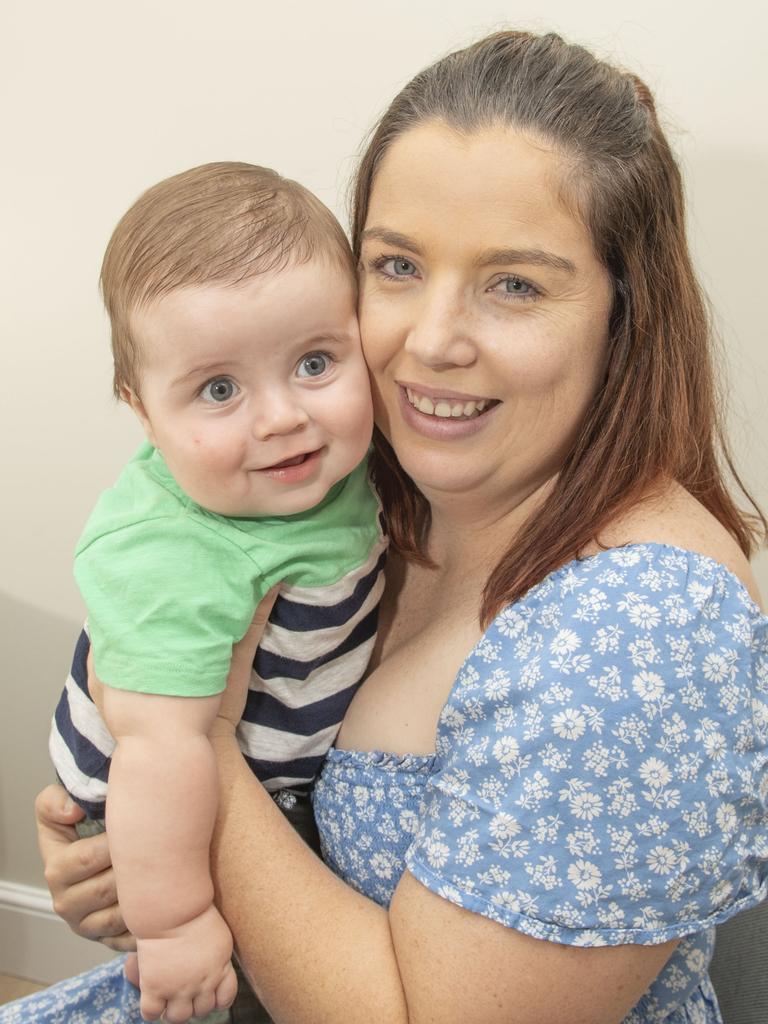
(444, 407)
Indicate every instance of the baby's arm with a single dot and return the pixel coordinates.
(161, 809)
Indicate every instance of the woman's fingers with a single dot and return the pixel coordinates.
(132, 969)
(78, 871)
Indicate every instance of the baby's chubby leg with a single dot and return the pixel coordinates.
(164, 767)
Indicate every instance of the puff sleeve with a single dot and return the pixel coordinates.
(603, 756)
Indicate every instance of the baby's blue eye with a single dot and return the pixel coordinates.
(221, 389)
(314, 365)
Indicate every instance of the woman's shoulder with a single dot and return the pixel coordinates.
(673, 518)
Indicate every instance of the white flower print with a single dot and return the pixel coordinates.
(468, 849)
(727, 819)
(510, 622)
(648, 686)
(555, 758)
(557, 694)
(567, 641)
(547, 829)
(655, 773)
(504, 718)
(644, 615)
(497, 685)
(494, 876)
(625, 557)
(607, 639)
(720, 893)
(582, 842)
(699, 593)
(531, 674)
(590, 605)
(608, 685)
(383, 864)
(451, 717)
(586, 806)
(661, 860)
(623, 801)
(504, 826)
(437, 851)
(536, 790)
(643, 652)
(569, 724)
(486, 650)
(610, 916)
(697, 819)
(584, 875)
(597, 759)
(544, 873)
(727, 667)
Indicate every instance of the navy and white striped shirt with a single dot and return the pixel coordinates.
(311, 659)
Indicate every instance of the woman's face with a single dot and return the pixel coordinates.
(484, 312)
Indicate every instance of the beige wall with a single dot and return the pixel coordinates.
(102, 99)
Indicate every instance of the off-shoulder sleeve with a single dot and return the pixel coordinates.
(603, 756)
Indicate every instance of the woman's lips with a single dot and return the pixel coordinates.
(443, 427)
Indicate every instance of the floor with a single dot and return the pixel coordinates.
(13, 988)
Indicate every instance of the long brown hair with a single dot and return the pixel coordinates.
(657, 414)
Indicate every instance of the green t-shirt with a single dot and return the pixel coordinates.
(170, 587)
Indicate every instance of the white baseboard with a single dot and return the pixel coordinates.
(35, 943)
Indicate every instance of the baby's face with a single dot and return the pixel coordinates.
(256, 394)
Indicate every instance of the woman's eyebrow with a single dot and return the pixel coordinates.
(539, 257)
(393, 238)
(487, 258)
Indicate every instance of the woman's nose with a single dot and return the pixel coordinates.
(442, 334)
(278, 414)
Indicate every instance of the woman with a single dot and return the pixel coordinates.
(553, 782)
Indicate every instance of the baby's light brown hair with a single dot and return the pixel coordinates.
(219, 223)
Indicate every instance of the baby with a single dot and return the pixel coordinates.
(231, 293)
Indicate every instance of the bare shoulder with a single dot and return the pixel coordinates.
(673, 516)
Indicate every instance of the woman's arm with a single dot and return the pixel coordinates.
(316, 950)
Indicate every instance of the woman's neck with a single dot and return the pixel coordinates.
(468, 533)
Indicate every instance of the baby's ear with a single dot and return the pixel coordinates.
(129, 396)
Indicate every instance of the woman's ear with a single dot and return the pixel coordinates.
(130, 397)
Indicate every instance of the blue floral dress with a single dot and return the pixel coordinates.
(600, 774)
(600, 777)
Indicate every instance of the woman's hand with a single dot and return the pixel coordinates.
(79, 872)
(234, 697)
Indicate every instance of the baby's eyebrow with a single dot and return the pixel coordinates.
(203, 370)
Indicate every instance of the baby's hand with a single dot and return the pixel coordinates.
(187, 973)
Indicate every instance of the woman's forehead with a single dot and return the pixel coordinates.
(484, 187)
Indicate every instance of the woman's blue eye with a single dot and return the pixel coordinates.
(516, 286)
(219, 390)
(314, 365)
(397, 267)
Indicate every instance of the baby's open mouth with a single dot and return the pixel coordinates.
(297, 460)
(452, 408)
